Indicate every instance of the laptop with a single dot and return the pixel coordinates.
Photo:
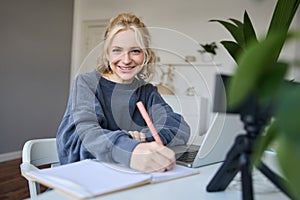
(220, 136)
(217, 141)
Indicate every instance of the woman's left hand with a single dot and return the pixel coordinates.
(136, 135)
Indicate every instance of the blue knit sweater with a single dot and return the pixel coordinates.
(100, 113)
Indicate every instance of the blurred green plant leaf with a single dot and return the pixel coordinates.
(249, 32)
(237, 22)
(288, 111)
(273, 79)
(235, 30)
(252, 64)
(288, 157)
(265, 140)
(242, 32)
(233, 49)
(283, 15)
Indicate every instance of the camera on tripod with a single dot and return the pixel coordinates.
(254, 115)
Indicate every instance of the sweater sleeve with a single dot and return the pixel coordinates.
(171, 127)
(80, 135)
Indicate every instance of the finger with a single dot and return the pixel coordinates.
(150, 157)
(161, 167)
(163, 150)
(167, 153)
(142, 136)
(162, 163)
(164, 158)
(137, 135)
(131, 134)
(171, 166)
(155, 166)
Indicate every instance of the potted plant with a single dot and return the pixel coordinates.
(259, 69)
(208, 51)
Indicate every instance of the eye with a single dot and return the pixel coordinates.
(116, 50)
(136, 51)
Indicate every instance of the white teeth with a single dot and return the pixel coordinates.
(126, 68)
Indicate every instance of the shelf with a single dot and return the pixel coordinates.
(194, 64)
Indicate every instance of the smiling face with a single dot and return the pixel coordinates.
(125, 57)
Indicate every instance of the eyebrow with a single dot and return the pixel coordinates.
(137, 47)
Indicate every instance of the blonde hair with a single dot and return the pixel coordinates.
(128, 21)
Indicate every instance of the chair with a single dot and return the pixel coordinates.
(36, 153)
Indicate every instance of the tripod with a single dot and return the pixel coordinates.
(238, 159)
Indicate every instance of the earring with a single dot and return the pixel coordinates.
(108, 66)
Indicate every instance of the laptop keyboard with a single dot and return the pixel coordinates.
(188, 156)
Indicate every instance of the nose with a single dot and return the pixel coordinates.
(126, 58)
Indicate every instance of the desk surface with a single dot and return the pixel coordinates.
(188, 188)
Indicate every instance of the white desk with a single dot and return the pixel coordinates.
(189, 188)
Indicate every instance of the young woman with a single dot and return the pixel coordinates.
(102, 121)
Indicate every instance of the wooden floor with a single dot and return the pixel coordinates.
(13, 186)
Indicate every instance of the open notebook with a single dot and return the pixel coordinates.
(90, 178)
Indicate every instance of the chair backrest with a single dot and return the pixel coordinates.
(39, 152)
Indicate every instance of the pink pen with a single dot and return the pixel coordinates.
(148, 121)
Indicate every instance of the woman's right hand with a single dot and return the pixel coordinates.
(152, 156)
